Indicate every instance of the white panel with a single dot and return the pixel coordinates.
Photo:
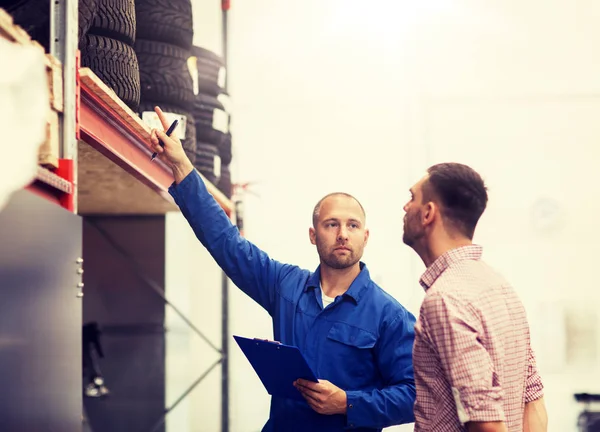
(193, 285)
(208, 25)
(178, 338)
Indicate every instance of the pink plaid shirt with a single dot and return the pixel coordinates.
(472, 355)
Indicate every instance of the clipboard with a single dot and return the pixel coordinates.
(277, 365)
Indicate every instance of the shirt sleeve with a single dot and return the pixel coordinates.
(392, 404)
(454, 327)
(248, 266)
(534, 388)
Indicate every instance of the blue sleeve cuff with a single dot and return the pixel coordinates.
(190, 181)
(379, 408)
(352, 410)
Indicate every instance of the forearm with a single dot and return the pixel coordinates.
(486, 427)
(247, 266)
(535, 418)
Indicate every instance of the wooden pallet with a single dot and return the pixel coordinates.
(88, 78)
(12, 32)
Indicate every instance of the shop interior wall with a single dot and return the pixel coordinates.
(345, 95)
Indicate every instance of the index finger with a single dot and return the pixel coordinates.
(162, 117)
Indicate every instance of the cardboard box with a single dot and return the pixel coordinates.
(55, 82)
(49, 151)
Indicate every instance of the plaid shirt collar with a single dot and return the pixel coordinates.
(471, 252)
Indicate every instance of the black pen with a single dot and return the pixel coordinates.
(168, 133)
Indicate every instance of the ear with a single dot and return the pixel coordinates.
(429, 213)
(366, 236)
(312, 234)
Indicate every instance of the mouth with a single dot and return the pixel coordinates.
(342, 248)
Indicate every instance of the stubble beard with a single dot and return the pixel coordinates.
(410, 236)
(335, 261)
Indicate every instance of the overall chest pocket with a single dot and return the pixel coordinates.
(351, 349)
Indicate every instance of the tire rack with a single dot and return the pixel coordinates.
(95, 122)
(105, 126)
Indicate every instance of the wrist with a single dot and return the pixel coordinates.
(344, 406)
(181, 170)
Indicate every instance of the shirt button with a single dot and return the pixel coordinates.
(350, 406)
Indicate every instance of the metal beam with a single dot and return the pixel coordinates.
(64, 39)
(225, 5)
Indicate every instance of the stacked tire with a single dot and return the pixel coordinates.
(107, 49)
(213, 120)
(164, 39)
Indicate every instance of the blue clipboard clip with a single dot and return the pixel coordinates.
(277, 365)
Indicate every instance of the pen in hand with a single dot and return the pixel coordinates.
(168, 133)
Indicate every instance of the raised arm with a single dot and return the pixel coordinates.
(249, 267)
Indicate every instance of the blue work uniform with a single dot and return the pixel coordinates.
(362, 342)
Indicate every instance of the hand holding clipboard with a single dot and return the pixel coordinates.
(277, 365)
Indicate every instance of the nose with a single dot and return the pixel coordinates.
(343, 233)
(405, 208)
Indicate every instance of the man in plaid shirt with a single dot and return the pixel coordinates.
(474, 367)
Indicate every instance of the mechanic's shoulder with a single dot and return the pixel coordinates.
(292, 279)
(391, 308)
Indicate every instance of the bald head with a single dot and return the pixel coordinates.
(317, 209)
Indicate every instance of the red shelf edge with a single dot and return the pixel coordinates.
(66, 170)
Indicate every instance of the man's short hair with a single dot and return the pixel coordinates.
(460, 192)
(317, 208)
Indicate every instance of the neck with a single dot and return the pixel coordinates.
(429, 251)
(335, 282)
